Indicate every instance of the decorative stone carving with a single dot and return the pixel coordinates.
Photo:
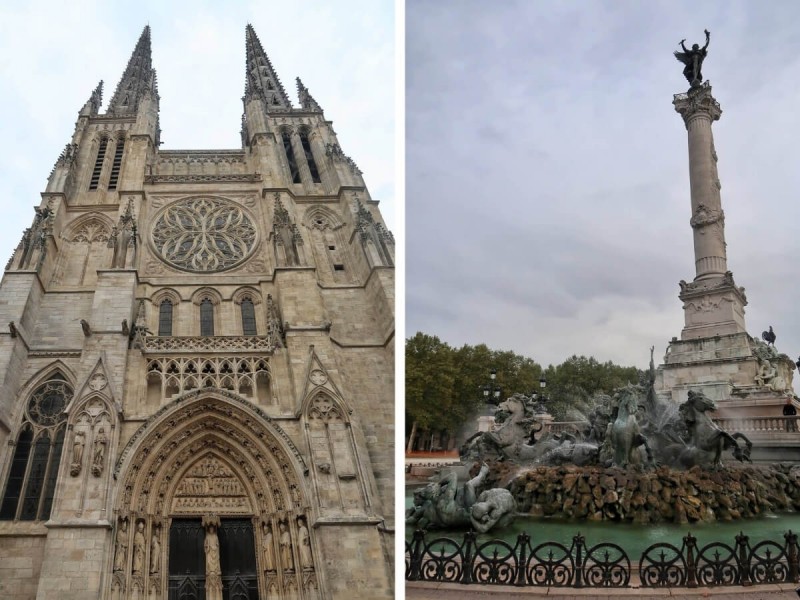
(204, 234)
(210, 485)
(275, 331)
(228, 343)
(98, 382)
(318, 377)
(705, 216)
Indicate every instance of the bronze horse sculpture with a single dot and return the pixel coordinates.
(707, 441)
(624, 433)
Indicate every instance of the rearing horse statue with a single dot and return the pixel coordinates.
(706, 439)
(624, 432)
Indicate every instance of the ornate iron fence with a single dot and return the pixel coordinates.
(551, 564)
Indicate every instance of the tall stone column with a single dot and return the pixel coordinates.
(713, 304)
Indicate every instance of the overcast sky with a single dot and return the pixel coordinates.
(548, 206)
(52, 55)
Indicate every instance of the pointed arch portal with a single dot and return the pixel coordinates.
(212, 504)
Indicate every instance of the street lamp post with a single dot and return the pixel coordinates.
(491, 393)
(542, 399)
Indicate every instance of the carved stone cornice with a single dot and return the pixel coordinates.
(697, 102)
(695, 290)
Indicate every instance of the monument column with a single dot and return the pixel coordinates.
(699, 109)
(713, 304)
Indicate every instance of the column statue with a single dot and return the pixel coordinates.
(138, 548)
(287, 560)
(269, 548)
(304, 542)
(121, 550)
(213, 570)
(155, 552)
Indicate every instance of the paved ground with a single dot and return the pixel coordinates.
(450, 591)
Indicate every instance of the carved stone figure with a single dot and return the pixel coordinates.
(447, 504)
(121, 549)
(693, 61)
(155, 552)
(78, 443)
(304, 543)
(123, 236)
(287, 560)
(99, 455)
(269, 548)
(138, 548)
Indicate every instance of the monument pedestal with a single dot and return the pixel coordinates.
(743, 375)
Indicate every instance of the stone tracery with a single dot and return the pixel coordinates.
(204, 234)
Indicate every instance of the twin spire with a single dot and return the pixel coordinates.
(261, 80)
(138, 79)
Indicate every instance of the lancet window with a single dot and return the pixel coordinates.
(206, 317)
(31, 483)
(290, 158)
(98, 164)
(117, 164)
(248, 317)
(312, 165)
(165, 318)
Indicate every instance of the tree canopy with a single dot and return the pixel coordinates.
(444, 385)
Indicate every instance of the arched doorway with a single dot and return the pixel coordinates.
(211, 505)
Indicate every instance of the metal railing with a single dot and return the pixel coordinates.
(606, 565)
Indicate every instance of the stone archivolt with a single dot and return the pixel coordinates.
(212, 457)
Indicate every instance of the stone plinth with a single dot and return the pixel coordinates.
(741, 374)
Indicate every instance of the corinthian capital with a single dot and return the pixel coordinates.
(697, 102)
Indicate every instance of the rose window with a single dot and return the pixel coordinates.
(204, 234)
(48, 402)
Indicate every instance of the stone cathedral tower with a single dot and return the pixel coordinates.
(197, 362)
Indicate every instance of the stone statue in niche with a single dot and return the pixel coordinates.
(269, 548)
(123, 235)
(286, 236)
(155, 552)
(99, 454)
(121, 550)
(304, 542)
(77, 453)
(138, 548)
(287, 560)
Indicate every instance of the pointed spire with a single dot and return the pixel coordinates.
(94, 102)
(260, 78)
(138, 79)
(306, 99)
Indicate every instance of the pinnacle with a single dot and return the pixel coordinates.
(306, 99)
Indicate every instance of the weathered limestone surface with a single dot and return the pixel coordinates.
(282, 417)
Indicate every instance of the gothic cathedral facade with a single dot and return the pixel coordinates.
(197, 362)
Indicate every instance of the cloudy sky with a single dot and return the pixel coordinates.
(547, 205)
(52, 55)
